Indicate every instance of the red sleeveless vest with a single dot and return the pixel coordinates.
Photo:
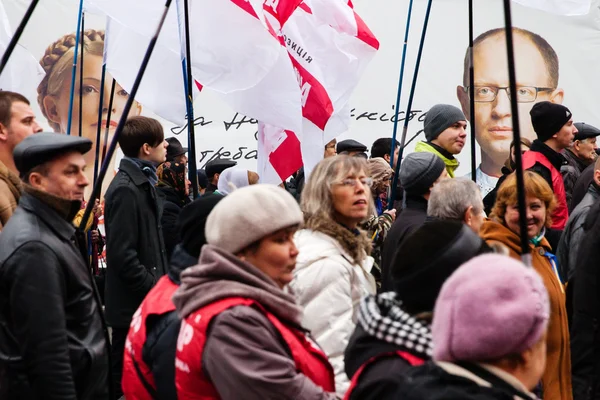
(561, 214)
(157, 302)
(192, 383)
(409, 358)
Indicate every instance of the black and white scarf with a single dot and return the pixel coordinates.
(382, 316)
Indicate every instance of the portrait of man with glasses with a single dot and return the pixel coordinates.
(537, 75)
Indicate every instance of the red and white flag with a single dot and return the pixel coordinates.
(279, 154)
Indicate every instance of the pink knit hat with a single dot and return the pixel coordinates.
(492, 306)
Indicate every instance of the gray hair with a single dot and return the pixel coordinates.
(450, 198)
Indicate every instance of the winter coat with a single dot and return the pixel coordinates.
(332, 275)
(464, 381)
(572, 236)
(407, 221)
(172, 207)
(384, 328)
(10, 192)
(448, 159)
(135, 252)
(585, 327)
(571, 171)
(244, 354)
(490, 199)
(50, 321)
(556, 381)
(581, 186)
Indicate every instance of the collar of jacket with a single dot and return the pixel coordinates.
(355, 243)
(382, 317)
(220, 275)
(58, 213)
(416, 202)
(575, 161)
(556, 159)
(494, 231)
(442, 151)
(448, 159)
(134, 171)
(12, 180)
(180, 260)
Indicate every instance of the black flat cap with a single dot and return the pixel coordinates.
(586, 131)
(175, 148)
(218, 166)
(42, 147)
(350, 145)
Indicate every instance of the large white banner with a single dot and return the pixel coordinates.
(556, 58)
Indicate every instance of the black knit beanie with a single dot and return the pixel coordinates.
(192, 222)
(428, 257)
(548, 118)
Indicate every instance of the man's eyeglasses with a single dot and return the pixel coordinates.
(352, 182)
(525, 94)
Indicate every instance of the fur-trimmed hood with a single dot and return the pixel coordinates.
(355, 245)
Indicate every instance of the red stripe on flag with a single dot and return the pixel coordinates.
(283, 9)
(316, 104)
(246, 6)
(364, 33)
(287, 158)
(198, 85)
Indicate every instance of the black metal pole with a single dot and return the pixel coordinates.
(99, 126)
(525, 253)
(471, 96)
(18, 32)
(410, 100)
(80, 124)
(189, 81)
(126, 109)
(108, 117)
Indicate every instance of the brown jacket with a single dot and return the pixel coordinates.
(10, 192)
(557, 376)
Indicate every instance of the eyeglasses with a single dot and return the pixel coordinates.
(525, 94)
(352, 182)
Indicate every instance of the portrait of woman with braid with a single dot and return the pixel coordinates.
(54, 93)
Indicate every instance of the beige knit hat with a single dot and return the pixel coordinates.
(249, 214)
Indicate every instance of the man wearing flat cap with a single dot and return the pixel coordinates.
(214, 169)
(579, 155)
(555, 130)
(175, 151)
(351, 147)
(52, 344)
(445, 130)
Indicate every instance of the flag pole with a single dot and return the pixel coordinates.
(409, 105)
(471, 96)
(81, 40)
(18, 32)
(525, 253)
(400, 82)
(189, 80)
(126, 109)
(74, 71)
(108, 116)
(99, 125)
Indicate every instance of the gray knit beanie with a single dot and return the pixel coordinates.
(439, 118)
(419, 171)
(248, 214)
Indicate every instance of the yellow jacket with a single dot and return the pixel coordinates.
(451, 164)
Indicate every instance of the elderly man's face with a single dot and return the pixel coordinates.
(493, 119)
(64, 177)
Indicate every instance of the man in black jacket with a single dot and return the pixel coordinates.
(52, 343)
(135, 251)
(418, 173)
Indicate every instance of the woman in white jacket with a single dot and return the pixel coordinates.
(333, 266)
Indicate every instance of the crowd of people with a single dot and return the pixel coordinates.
(320, 288)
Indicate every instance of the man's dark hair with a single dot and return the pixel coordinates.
(382, 146)
(547, 52)
(6, 100)
(140, 130)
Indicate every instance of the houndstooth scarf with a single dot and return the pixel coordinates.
(382, 316)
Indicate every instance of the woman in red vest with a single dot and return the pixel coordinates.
(241, 336)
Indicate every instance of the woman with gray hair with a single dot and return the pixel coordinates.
(333, 266)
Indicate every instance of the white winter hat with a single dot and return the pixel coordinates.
(248, 214)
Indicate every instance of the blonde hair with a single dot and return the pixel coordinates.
(316, 202)
(57, 61)
(535, 186)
